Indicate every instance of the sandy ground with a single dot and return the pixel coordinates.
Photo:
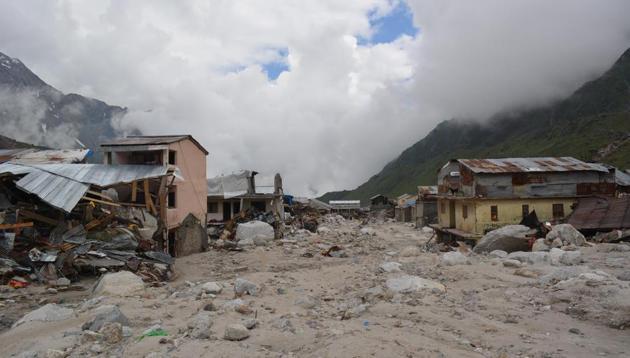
(310, 305)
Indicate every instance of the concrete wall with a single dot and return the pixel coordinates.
(192, 191)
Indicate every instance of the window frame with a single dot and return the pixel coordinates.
(494, 213)
(555, 213)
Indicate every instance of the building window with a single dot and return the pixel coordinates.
(494, 213)
(259, 205)
(558, 211)
(172, 198)
(525, 210)
(443, 207)
(213, 207)
(465, 211)
(172, 156)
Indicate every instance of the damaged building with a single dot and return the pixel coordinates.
(229, 195)
(179, 201)
(479, 195)
(426, 206)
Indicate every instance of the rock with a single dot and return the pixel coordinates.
(96, 348)
(47, 313)
(509, 238)
(624, 276)
(530, 257)
(523, 272)
(498, 253)
(511, 263)
(236, 332)
(283, 324)
(258, 232)
(561, 273)
(367, 231)
(243, 309)
(105, 314)
(355, 311)
(112, 332)
(245, 243)
(427, 230)
(210, 307)
(410, 251)
(540, 245)
(322, 230)
(407, 284)
(123, 283)
(250, 323)
(575, 331)
(554, 256)
(127, 331)
(557, 242)
(232, 304)
(570, 258)
(453, 258)
(242, 286)
(390, 267)
(211, 287)
(567, 233)
(200, 325)
(55, 353)
(307, 302)
(62, 282)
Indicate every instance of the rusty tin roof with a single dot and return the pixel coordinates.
(527, 165)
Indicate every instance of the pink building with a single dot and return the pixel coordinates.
(185, 194)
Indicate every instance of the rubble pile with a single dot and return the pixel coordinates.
(225, 235)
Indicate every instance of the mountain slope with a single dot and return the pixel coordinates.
(592, 124)
(35, 112)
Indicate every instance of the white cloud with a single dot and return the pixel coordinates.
(342, 111)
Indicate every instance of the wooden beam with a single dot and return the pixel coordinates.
(162, 193)
(134, 191)
(39, 217)
(16, 225)
(98, 222)
(101, 201)
(100, 195)
(147, 198)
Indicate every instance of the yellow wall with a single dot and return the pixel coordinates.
(509, 210)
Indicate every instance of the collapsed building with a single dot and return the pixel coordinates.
(426, 206)
(479, 195)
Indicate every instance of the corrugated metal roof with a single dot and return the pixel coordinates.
(51, 156)
(230, 186)
(622, 178)
(63, 185)
(597, 213)
(149, 139)
(537, 164)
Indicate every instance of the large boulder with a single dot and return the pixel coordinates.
(408, 284)
(105, 314)
(236, 332)
(47, 313)
(509, 238)
(258, 232)
(123, 283)
(567, 233)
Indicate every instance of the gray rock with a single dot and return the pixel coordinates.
(557, 242)
(127, 331)
(55, 353)
(96, 348)
(554, 256)
(250, 323)
(390, 267)
(562, 273)
(200, 325)
(211, 287)
(511, 263)
(105, 314)
(62, 281)
(530, 257)
(123, 283)
(258, 232)
(509, 238)
(498, 254)
(322, 230)
(307, 302)
(283, 324)
(624, 276)
(236, 332)
(408, 284)
(242, 286)
(410, 251)
(571, 258)
(453, 258)
(47, 313)
(355, 311)
(112, 332)
(567, 233)
(367, 231)
(540, 245)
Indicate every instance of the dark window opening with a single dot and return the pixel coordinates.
(213, 207)
(172, 199)
(494, 213)
(465, 211)
(558, 211)
(525, 210)
(259, 205)
(172, 155)
(236, 208)
(149, 157)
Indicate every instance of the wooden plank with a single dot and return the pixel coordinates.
(98, 222)
(162, 193)
(134, 191)
(39, 217)
(16, 225)
(101, 201)
(100, 195)
(147, 198)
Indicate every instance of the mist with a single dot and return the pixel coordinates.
(345, 104)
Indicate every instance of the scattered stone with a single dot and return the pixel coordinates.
(575, 331)
(55, 353)
(307, 302)
(509, 238)
(112, 332)
(242, 287)
(236, 332)
(453, 258)
(322, 230)
(211, 287)
(243, 309)
(283, 324)
(561, 274)
(105, 314)
(123, 283)
(368, 231)
(390, 267)
(523, 272)
(200, 325)
(232, 304)
(96, 348)
(62, 281)
(355, 311)
(570, 258)
(540, 245)
(427, 230)
(557, 242)
(567, 233)
(554, 256)
(407, 284)
(511, 263)
(624, 276)
(530, 257)
(250, 323)
(209, 307)
(47, 313)
(410, 251)
(498, 254)
(127, 331)
(258, 232)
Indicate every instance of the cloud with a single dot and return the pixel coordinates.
(340, 107)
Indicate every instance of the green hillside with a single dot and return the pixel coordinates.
(592, 124)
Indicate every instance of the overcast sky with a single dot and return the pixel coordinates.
(323, 91)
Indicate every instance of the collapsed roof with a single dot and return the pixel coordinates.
(230, 186)
(48, 156)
